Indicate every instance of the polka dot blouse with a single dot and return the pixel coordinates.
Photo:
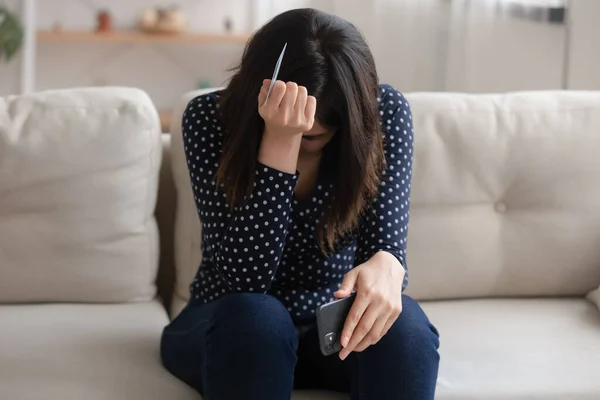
(269, 244)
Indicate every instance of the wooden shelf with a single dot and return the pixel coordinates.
(138, 37)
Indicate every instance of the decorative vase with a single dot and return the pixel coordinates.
(104, 21)
(163, 20)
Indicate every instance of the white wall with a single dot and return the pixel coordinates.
(164, 70)
(492, 52)
(418, 45)
(584, 66)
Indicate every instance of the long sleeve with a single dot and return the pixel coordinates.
(385, 225)
(246, 243)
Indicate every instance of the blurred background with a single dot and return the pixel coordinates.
(170, 47)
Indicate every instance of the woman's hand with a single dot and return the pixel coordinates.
(289, 110)
(378, 303)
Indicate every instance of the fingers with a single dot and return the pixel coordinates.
(393, 317)
(277, 95)
(361, 329)
(289, 99)
(289, 108)
(379, 330)
(262, 95)
(375, 334)
(301, 100)
(385, 317)
(310, 110)
(349, 281)
(354, 316)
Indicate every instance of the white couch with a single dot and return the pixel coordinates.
(503, 248)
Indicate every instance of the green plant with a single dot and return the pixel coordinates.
(11, 34)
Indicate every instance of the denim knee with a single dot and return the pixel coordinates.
(405, 362)
(412, 336)
(253, 319)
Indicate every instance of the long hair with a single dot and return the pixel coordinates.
(328, 56)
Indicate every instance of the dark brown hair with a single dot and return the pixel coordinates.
(330, 57)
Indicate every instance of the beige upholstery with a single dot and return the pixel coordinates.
(188, 233)
(502, 200)
(78, 183)
(546, 349)
(594, 297)
(505, 202)
(84, 351)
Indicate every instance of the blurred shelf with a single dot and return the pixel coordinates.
(165, 120)
(138, 37)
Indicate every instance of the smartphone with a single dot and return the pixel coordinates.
(330, 323)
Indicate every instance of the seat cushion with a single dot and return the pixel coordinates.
(491, 349)
(92, 352)
(78, 183)
(547, 349)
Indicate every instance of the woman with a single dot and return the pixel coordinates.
(303, 199)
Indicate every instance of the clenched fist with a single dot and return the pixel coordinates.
(289, 110)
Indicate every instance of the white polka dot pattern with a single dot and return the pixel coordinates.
(269, 244)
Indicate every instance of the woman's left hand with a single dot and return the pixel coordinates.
(378, 303)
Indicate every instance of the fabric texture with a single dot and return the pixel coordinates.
(517, 349)
(544, 349)
(78, 183)
(594, 297)
(269, 244)
(188, 231)
(502, 201)
(247, 343)
(499, 206)
(91, 351)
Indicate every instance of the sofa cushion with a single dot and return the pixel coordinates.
(92, 352)
(77, 351)
(517, 349)
(188, 231)
(78, 183)
(505, 195)
(503, 200)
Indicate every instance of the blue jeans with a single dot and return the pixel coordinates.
(247, 346)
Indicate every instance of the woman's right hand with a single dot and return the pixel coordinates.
(289, 110)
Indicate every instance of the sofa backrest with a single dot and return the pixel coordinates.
(188, 232)
(505, 196)
(78, 183)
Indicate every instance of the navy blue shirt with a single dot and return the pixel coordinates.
(269, 244)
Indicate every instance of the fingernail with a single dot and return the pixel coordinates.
(345, 341)
(343, 355)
